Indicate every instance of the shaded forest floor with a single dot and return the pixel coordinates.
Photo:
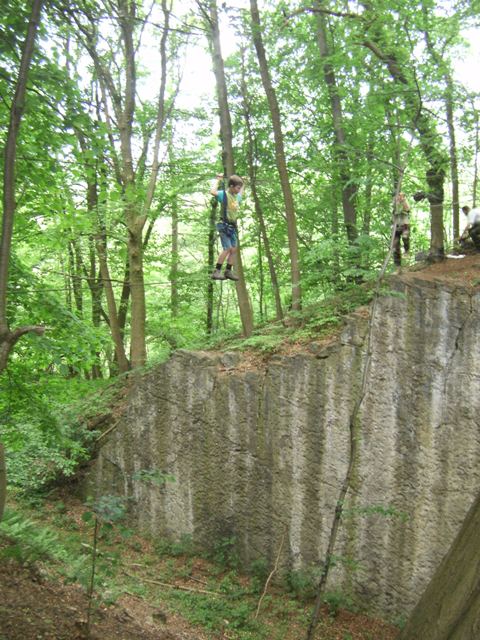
(146, 589)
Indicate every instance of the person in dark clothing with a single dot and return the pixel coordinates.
(401, 220)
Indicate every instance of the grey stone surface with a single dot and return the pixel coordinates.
(257, 454)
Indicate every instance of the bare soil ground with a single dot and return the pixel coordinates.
(462, 270)
(33, 607)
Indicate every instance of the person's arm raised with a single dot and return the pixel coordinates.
(214, 185)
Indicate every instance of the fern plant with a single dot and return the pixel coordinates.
(29, 542)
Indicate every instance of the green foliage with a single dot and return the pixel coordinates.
(387, 291)
(229, 608)
(336, 600)
(41, 442)
(44, 421)
(64, 143)
(224, 553)
(332, 265)
(46, 399)
(70, 343)
(303, 582)
(260, 571)
(155, 477)
(79, 570)
(41, 459)
(30, 542)
(314, 321)
(105, 512)
(218, 613)
(184, 546)
(263, 343)
(378, 509)
(108, 509)
(351, 564)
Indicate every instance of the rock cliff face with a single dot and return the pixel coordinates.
(259, 454)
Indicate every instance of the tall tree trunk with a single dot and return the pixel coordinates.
(174, 261)
(453, 157)
(135, 222)
(9, 338)
(261, 278)
(3, 480)
(91, 173)
(368, 188)
(120, 355)
(349, 188)
(123, 305)
(75, 268)
(430, 143)
(226, 135)
(337, 269)
(279, 156)
(95, 285)
(449, 108)
(102, 252)
(476, 155)
(256, 199)
(66, 282)
(123, 100)
(266, 244)
(211, 258)
(160, 124)
(394, 129)
(94, 279)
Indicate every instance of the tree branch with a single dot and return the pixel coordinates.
(337, 14)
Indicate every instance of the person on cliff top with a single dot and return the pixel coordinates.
(401, 220)
(229, 200)
(472, 229)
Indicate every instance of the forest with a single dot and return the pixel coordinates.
(117, 115)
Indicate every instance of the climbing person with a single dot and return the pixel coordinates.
(227, 227)
(401, 220)
(473, 227)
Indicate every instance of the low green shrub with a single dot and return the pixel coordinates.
(29, 542)
(184, 546)
(302, 583)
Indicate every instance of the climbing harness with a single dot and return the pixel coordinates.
(228, 228)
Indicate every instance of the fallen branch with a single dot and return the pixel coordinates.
(175, 586)
(102, 435)
(197, 580)
(328, 12)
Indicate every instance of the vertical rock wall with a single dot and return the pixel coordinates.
(260, 454)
